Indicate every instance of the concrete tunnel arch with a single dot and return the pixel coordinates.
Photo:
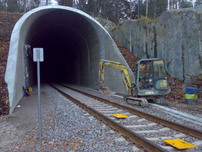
(73, 43)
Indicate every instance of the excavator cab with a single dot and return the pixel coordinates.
(151, 78)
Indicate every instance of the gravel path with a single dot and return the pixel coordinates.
(65, 127)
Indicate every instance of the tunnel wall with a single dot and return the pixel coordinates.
(97, 44)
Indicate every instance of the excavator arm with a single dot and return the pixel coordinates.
(117, 65)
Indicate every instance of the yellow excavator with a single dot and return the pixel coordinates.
(150, 80)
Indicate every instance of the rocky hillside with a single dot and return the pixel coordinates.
(175, 37)
(7, 22)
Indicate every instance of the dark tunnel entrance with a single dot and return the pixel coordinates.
(73, 44)
(64, 36)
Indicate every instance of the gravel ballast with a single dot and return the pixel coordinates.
(65, 127)
(162, 132)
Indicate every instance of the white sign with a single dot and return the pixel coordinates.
(38, 54)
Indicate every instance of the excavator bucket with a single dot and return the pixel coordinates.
(104, 89)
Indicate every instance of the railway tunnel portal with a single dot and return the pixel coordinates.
(73, 44)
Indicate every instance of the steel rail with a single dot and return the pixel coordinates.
(134, 137)
(184, 129)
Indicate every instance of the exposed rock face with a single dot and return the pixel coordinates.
(175, 37)
(105, 23)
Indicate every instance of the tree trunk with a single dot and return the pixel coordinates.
(25, 5)
(95, 8)
(146, 8)
(130, 10)
(104, 11)
(179, 3)
(138, 9)
(155, 9)
(117, 11)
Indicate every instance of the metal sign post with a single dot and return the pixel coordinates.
(38, 57)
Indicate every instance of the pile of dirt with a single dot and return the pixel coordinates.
(129, 57)
(177, 94)
(7, 22)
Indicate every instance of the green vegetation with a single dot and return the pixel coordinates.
(145, 20)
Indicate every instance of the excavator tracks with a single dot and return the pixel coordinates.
(137, 101)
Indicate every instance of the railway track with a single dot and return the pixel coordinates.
(143, 129)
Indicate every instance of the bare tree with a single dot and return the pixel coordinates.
(130, 10)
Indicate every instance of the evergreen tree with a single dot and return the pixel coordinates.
(155, 8)
(13, 6)
(2, 7)
(66, 3)
(161, 6)
(118, 10)
(185, 4)
(88, 7)
(198, 2)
